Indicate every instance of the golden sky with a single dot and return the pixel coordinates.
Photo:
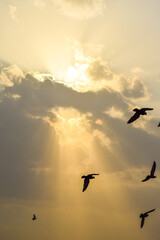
(71, 71)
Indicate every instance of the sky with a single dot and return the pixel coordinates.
(71, 72)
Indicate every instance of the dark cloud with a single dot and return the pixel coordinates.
(46, 95)
(134, 88)
(25, 144)
(39, 98)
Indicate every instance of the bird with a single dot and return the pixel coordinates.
(158, 124)
(87, 180)
(151, 173)
(137, 114)
(144, 215)
(34, 217)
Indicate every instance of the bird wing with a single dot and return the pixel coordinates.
(146, 179)
(153, 168)
(34, 216)
(151, 211)
(90, 175)
(133, 118)
(145, 109)
(142, 221)
(85, 185)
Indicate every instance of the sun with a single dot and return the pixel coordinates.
(76, 77)
(72, 73)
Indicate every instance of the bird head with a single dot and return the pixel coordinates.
(135, 109)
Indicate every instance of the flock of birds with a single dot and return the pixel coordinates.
(87, 178)
(142, 215)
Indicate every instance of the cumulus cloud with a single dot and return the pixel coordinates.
(134, 88)
(98, 70)
(40, 99)
(80, 8)
(10, 75)
(92, 73)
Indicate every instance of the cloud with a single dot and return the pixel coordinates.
(10, 75)
(80, 8)
(104, 140)
(12, 12)
(131, 88)
(98, 70)
(134, 88)
(115, 113)
(52, 135)
(40, 99)
(92, 73)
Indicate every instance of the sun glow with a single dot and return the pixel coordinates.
(84, 73)
(71, 126)
(72, 73)
(76, 76)
(44, 76)
(75, 129)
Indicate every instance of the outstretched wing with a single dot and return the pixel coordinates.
(153, 169)
(151, 211)
(133, 118)
(85, 185)
(147, 109)
(142, 221)
(146, 179)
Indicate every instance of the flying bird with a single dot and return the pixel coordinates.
(87, 180)
(144, 215)
(151, 173)
(34, 217)
(158, 124)
(137, 114)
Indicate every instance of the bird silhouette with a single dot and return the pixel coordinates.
(34, 217)
(137, 114)
(144, 215)
(151, 173)
(87, 180)
(158, 124)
